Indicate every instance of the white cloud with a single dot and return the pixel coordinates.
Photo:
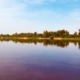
(15, 18)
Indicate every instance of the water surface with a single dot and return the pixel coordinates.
(29, 61)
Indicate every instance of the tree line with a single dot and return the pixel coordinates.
(45, 34)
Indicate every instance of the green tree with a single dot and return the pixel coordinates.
(45, 34)
(75, 34)
(79, 33)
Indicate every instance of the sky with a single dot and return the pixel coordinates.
(39, 15)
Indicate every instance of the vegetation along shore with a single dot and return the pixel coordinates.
(53, 35)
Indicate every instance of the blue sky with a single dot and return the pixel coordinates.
(39, 15)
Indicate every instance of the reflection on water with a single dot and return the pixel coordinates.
(41, 61)
(58, 43)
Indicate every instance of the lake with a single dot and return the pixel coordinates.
(39, 60)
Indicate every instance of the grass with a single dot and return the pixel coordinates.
(74, 39)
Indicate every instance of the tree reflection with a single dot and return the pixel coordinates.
(58, 43)
(79, 44)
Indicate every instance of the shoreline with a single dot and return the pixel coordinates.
(38, 38)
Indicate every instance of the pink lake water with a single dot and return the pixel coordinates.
(20, 61)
